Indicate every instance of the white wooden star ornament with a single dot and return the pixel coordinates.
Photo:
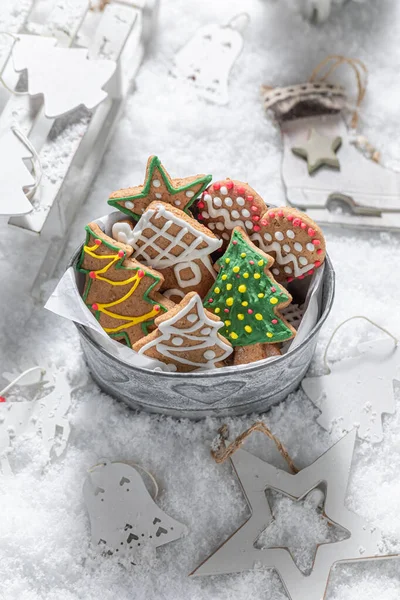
(329, 474)
(319, 150)
(64, 76)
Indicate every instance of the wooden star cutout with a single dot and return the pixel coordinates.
(158, 185)
(319, 150)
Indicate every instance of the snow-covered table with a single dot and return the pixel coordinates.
(44, 529)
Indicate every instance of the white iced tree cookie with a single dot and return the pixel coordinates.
(187, 338)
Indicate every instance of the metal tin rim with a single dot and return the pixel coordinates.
(216, 373)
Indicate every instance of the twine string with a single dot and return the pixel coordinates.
(222, 453)
(329, 64)
(334, 332)
(21, 376)
(36, 162)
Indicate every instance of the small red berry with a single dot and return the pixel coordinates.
(210, 300)
(250, 311)
(226, 310)
(234, 242)
(200, 217)
(319, 251)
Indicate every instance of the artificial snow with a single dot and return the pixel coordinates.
(44, 528)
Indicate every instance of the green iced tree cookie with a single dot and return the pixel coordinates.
(246, 296)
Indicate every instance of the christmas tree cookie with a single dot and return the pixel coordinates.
(247, 297)
(187, 338)
(158, 185)
(121, 293)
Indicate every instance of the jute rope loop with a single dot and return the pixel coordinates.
(222, 453)
(334, 332)
(327, 66)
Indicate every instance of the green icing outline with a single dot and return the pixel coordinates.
(258, 305)
(118, 265)
(156, 163)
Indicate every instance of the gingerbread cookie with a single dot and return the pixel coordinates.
(158, 185)
(187, 338)
(244, 355)
(293, 239)
(246, 296)
(121, 293)
(228, 204)
(175, 244)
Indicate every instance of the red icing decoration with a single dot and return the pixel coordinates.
(97, 242)
(250, 311)
(121, 253)
(229, 185)
(264, 222)
(226, 309)
(234, 242)
(311, 232)
(310, 272)
(216, 186)
(200, 204)
(140, 273)
(256, 228)
(296, 222)
(290, 217)
(255, 218)
(210, 300)
(2, 399)
(280, 213)
(240, 189)
(290, 279)
(300, 277)
(316, 242)
(200, 217)
(156, 307)
(319, 251)
(92, 275)
(272, 215)
(250, 198)
(317, 263)
(95, 306)
(251, 262)
(273, 289)
(254, 208)
(274, 321)
(303, 225)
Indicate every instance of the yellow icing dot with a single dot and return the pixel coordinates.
(260, 263)
(227, 260)
(228, 286)
(217, 290)
(236, 269)
(240, 317)
(261, 295)
(243, 255)
(270, 334)
(274, 300)
(258, 316)
(242, 288)
(229, 301)
(233, 335)
(245, 275)
(227, 323)
(217, 310)
(224, 277)
(248, 328)
(245, 303)
(257, 275)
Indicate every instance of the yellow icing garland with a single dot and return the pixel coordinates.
(102, 307)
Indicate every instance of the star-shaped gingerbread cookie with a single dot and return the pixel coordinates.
(319, 150)
(158, 185)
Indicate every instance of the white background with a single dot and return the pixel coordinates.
(44, 529)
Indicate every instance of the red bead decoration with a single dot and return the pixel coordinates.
(200, 204)
(140, 273)
(250, 311)
(255, 218)
(271, 215)
(95, 306)
(280, 213)
(303, 225)
(121, 253)
(216, 186)
(274, 321)
(317, 264)
(296, 222)
(256, 228)
(250, 198)
(254, 208)
(290, 217)
(264, 222)
(2, 399)
(211, 300)
(226, 310)
(92, 275)
(229, 185)
(311, 232)
(97, 242)
(316, 242)
(240, 189)
(157, 307)
(319, 251)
